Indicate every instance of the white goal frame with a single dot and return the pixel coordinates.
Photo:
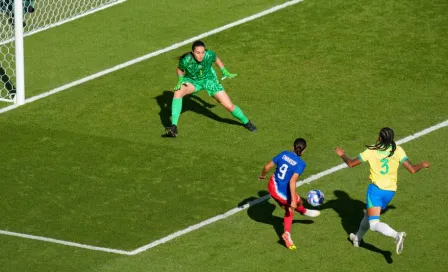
(19, 56)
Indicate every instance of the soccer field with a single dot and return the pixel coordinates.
(89, 184)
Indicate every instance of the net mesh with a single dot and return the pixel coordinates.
(38, 16)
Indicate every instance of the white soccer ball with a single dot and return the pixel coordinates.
(315, 198)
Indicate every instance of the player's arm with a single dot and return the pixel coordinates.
(349, 161)
(219, 63)
(415, 168)
(292, 188)
(225, 73)
(266, 169)
(179, 72)
(180, 77)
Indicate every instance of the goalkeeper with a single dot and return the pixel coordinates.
(195, 73)
(7, 6)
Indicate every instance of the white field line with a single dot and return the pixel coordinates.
(66, 20)
(213, 219)
(153, 54)
(6, 100)
(254, 202)
(65, 243)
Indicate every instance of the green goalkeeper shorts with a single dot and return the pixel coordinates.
(211, 85)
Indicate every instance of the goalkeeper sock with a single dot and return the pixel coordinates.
(238, 113)
(176, 109)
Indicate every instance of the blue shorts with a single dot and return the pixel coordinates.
(377, 197)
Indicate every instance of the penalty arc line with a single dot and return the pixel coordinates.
(213, 219)
(153, 54)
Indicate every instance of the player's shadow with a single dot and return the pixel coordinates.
(351, 212)
(263, 213)
(189, 103)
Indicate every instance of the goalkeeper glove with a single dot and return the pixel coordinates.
(179, 83)
(227, 74)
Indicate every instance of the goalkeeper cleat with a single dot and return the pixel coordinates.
(171, 131)
(249, 126)
(288, 241)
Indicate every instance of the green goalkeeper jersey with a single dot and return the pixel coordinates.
(198, 70)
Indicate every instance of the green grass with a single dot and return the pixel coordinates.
(89, 165)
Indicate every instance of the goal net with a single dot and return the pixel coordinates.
(38, 15)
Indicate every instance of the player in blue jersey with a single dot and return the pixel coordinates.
(282, 185)
(195, 73)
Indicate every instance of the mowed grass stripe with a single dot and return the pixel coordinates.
(213, 219)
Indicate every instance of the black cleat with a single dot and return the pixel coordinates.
(171, 131)
(250, 127)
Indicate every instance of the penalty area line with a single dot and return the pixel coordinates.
(213, 219)
(65, 243)
(266, 197)
(153, 54)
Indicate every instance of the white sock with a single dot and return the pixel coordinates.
(363, 227)
(382, 228)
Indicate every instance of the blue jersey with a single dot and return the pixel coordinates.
(288, 163)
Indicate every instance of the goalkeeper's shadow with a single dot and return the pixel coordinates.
(192, 103)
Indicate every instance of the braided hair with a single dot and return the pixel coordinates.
(385, 140)
(299, 146)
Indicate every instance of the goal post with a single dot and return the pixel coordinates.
(21, 18)
(20, 55)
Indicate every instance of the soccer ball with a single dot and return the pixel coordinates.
(315, 198)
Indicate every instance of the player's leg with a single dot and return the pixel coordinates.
(286, 236)
(282, 201)
(215, 89)
(363, 228)
(378, 199)
(223, 98)
(374, 205)
(303, 211)
(176, 107)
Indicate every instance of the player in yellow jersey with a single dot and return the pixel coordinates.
(384, 158)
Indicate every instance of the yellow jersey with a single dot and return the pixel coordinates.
(384, 169)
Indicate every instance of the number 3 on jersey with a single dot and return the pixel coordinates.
(385, 166)
(282, 169)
